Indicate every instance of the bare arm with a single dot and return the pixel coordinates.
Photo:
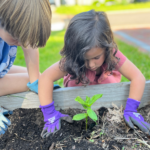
(53, 73)
(32, 62)
(131, 72)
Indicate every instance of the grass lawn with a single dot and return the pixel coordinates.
(78, 9)
(141, 60)
(50, 54)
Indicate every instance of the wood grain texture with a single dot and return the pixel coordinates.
(116, 93)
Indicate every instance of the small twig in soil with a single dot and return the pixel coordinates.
(138, 134)
(52, 146)
(143, 142)
(77, 139)
(60, 146)
(95, 134)
(65, 138)
(120, 138)
(115, 147)
(23, 138)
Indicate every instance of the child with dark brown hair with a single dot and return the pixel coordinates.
(89, 57)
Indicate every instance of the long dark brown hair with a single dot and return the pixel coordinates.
(85, 31)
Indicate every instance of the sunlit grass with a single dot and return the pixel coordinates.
(140, 59)
(78, 9)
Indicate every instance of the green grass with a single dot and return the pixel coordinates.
(50, 54)
(78, 9)
(141, 60)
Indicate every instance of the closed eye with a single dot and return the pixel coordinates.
(97, 57)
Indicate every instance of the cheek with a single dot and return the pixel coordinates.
(100, 61)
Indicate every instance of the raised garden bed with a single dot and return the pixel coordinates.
(111, 132)
(64, 97)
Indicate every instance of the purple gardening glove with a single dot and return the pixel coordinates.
(132, 118)
(52, 119)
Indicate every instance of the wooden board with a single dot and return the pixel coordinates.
(116, 93)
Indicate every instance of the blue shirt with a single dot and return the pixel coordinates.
(7, 57)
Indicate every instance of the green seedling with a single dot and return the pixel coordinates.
(87, 106)
(92, 134)
(91, 140)
(101, 133)
(135, 146)
(123, 148)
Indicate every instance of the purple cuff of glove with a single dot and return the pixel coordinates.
(131, 105)
(47, 106)
(48, 111)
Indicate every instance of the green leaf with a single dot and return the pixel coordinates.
(123, 148)
(80, 116)
(91, 140)
(95, 98)
(85, 107)
(92, 114)
(101, 133)
(87, 99)
(80, 100)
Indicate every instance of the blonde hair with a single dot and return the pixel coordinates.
(29, 21)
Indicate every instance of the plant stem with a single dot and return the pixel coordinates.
(86, 122)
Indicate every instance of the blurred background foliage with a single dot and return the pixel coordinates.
(108, 5)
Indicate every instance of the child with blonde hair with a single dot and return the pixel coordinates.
(89, 57)
(25, 23)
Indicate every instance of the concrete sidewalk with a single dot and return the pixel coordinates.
(139, 38)
(118, 19)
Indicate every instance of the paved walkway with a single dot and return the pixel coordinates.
(139, 37)
(118, 19)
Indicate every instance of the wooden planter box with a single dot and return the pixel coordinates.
(116, 93)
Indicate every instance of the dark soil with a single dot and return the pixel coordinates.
(27, 124)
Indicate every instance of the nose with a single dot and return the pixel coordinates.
(91, 64)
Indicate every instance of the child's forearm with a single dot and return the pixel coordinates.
(45, 89)
(132, 73)
(52, 74)
(137, 88)
(32, 63)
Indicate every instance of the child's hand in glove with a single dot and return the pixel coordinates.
(4, 122)
(132, 118)
(52, 119)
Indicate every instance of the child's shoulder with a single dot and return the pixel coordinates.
(120, 55)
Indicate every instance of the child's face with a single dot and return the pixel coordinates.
(8, 38)
(94, 58)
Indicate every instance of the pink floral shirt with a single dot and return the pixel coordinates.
(104, 78)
